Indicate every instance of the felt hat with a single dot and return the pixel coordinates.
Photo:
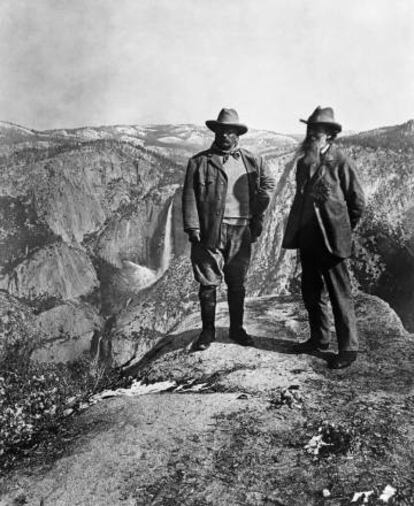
(323, 116)
(227, 117)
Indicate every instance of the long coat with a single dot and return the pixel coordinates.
(338, 202)
(205, 189)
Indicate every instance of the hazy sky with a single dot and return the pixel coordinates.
(67, 63)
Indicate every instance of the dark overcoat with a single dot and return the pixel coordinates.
(205, 189)
(338, 202)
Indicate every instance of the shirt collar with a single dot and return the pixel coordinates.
(234, 152)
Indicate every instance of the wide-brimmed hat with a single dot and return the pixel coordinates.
(323, 116)
(227, 117)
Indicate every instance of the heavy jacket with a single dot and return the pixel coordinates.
(338, 202)
(205, 189)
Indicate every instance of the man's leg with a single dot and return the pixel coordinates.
(340, 292)
(207, 297)
(315, 300)
(235, 298)
(237, 259)
(207, 266)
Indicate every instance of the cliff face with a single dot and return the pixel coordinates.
(55, 271)
(67, 331)
(384, 254)
(85, 225)
(91, 227)
(17, 325)
(273, 268)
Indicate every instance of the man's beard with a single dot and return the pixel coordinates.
(224, 144)
(311, 151)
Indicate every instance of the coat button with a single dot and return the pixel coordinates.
(217, 213)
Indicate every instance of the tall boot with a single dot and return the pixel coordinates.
(207, 296)
(236, 312)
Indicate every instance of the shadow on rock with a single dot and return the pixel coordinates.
(166, 345)
(286, 347)
(184, 340)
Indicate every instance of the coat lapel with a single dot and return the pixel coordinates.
(249, 162)
(215, 160)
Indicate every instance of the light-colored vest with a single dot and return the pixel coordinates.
(237, 204)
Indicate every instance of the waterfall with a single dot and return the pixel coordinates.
(134, 277)
(167, 249)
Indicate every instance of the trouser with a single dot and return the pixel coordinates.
(230, 260)
(324, 274)
(207, 297)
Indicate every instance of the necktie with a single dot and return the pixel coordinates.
(234, 154)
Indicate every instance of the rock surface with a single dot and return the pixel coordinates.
(17, 325)
(57, 271)
(66, 331)
(242, 442)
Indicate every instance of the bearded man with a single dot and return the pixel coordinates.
(327, 206)
(226, 192)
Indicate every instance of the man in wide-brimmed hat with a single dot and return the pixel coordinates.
(328, 204)
(226, 192)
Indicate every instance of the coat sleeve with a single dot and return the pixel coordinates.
(189, 203)
(265, 190)
(353, 192)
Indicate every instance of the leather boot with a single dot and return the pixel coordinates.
(343, 359)
(207, 296)
(236, 312)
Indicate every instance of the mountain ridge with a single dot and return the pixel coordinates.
(407, 125)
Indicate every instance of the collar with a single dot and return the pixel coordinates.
(225, 154)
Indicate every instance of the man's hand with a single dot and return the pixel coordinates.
(194, 235)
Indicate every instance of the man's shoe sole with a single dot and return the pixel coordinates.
(341, 364)
(199, 347)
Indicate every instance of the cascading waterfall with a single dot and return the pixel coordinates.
(166, 253)
(136, 277)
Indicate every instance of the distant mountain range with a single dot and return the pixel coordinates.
(392, 137)
(183, 140)
(175, 141)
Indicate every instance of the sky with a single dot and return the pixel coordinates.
(71, 63)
